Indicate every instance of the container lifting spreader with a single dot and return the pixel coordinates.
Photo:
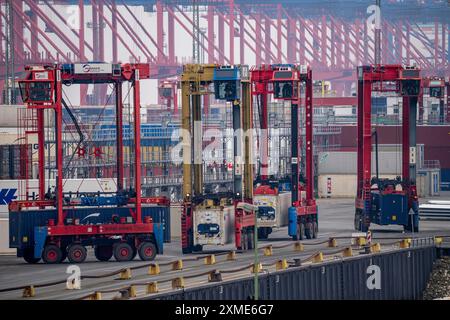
(387, 201)
(58, 225)
(207, 218)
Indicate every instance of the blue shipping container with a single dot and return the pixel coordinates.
(22, 223)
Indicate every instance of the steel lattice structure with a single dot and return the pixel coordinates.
(332, 37)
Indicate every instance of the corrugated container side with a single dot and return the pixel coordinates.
(22, 223)
(241, 289)
(403, 275)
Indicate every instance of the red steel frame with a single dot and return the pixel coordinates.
(260, 78)
(325, 41)
(370, 79)
(130, 72)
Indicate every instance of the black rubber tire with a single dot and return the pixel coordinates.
(301, 231)
(64, 254)
(315, 230)
(135, 252)
(358, 221)
(123, 252)
(411, 225)
(251, 240)
(244, 240)
(309, 230)
(28, 256)
(263, 233)
(147, 251)
(76, 253)
(186, 250)
(364, 226)
(52, 254)
(103, 252)
(190, 244)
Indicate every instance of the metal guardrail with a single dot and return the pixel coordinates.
(215, 275)
(403, 274)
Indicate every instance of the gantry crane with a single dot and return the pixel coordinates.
(207, 218)
(387, 201)
(57, 226)
(283, 81)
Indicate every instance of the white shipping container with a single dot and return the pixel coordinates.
(280, 204)
(214, 226)
(9, 189)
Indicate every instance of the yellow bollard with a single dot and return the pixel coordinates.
(332, 243)
(348, 252)
(125, 274)
(178, 283)
(154, 269)
(132, 292)
(152, 287)
(318, 257)
(375, 248)
(29, 292)
(404, 244)
(256, 268)
(210, 260)
(299, 246)
(95, 296)
(361, 241)
(214, 276)
(281, 264)
(231, 255)
(177, 265)
(268, 251)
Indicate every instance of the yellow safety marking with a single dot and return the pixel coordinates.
(318, 257)
(281, 264)
(332, 243)
(152, 287)
(29, 292)
(178, 283)
(177, 265)
(299, 246)
(210, 260)
(125, 274)
(268, 251)
(154, 269)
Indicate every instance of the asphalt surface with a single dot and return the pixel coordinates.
(335, 220)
